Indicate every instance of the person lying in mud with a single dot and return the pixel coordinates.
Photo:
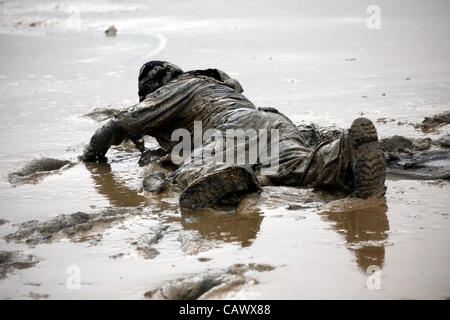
(171, 99)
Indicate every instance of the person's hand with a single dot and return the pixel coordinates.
(111, 133)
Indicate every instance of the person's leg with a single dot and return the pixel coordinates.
(354, 162)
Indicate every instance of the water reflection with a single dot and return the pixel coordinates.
(230, 228)
(365, 231)
(242, 228)
(118, 194)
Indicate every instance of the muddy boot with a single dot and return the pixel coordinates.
(366, 159)
(213, 188)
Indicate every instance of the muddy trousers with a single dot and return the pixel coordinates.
(322, 166)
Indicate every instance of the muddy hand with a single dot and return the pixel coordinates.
(110, 134)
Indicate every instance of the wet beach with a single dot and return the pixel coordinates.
(313, 61)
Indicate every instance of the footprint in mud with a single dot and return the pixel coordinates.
(210, 285)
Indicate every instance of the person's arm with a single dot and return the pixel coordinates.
(144, 118)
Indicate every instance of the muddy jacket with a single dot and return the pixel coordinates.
(212, 97)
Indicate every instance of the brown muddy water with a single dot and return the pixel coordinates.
(311, 60)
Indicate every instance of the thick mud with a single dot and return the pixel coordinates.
(96, 224)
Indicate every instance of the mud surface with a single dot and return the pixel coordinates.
(60, 75)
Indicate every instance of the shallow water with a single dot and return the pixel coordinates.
(64, 67)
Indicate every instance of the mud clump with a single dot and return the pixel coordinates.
(35, 167)
(36, 232)
(396, 144)
(38, 296)
(211, 285)
(145, 244)
(192, 243)
(424, 165)
(102, 114)
(11, 260)
(111, 31)
(431, 124)
(418, 159)
(153, 181)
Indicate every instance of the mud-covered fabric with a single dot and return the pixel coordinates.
(154, 75)
(215, 99)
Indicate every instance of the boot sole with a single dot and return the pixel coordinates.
(367, 159)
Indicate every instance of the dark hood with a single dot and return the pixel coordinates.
(155, 74)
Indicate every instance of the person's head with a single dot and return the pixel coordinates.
(155, 74)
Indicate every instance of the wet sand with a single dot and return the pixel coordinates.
(313, 61)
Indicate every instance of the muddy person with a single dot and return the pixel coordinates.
(171, 99)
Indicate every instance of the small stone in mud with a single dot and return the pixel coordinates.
(204, 259)
(111, 31)
(295, 207)
(36, 166)
(10, 260)
(153, 181)
(99, 114)
(35, 24)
